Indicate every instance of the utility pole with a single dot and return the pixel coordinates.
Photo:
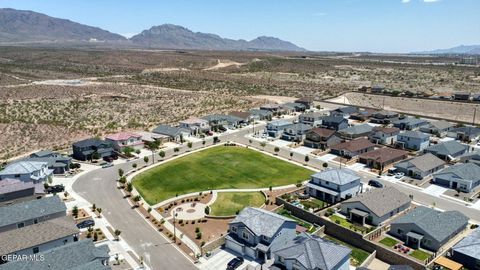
(174, 228)
(474, 115)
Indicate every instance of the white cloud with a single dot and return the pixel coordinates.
(405, 1)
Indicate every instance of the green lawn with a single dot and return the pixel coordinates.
(303, 223)
(228, 203)
(420, 254)
(347, 224)
(389, 242)
(218, 167)
(313, 203)
(358, 255)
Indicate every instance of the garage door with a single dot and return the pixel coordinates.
(234, 246)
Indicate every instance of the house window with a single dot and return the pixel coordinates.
(35, 221)
(35, 250)
(234, 229)
(20, 225)
(265, 238)
(17, 175)
(245, 235)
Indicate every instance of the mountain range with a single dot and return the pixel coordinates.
(28, 27)
(462, 49)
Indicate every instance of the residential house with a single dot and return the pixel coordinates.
(362, 115)
(334, 122)
(428, 228)
(26, 213)
(34, 171)
(375, 206)
(413, 140)
(462, 176)
(275, 128)
(255, 232)
(195, 125)
(224, 120)
(39, 237)
(307, 101)
(272, 107)
(472, 157)
(175, 134)
(294, 107)
(58, 163)
(447, 150)
(345, 111)
(382, 158)
(122, 140)
(311, 118)
(295, 132)
(150, 137)
(321, 138)
(356, 131)
(334, 185)
(245, 117)
(438, 128)
(259, 114)
(353, 148)
(90, 148)
(311, 252)
(410, 123)
(465, 134)
(15, 191)
(78, 255)
(421, 166)
(461, 96)
(467, 251)
(384, 117)
(384, 135)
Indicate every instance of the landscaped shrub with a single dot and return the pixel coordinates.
(197, 229)
(199, 235)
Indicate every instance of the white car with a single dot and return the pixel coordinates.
(399, 175)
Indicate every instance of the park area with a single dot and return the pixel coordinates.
(221, 167)
(230, 203)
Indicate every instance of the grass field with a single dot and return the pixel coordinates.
(219, 167)
(420, 255)
(229, 203)
(389, 242)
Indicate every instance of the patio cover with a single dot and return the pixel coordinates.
(415, 235)
(447, 263)
(359, 213)
(326, 190)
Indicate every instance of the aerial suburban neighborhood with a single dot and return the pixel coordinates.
(169, 148)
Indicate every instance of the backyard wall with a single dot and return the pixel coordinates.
(348, 236)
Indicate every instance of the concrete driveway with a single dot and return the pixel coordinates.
(220, 260)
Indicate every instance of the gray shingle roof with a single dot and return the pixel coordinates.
(423, 163)
(23, 167)
(91, 142)
(437, 224)
(11, 185)
(19, 212)
(465, 171)
(410, 121)
(337, 176)
(314, 252)
(169, 130)
(441, 124)
(381, 201)
(74, 256)
(333, 119)
(415, 134)
(470, 245)
(261, 222)
(450, 148)
(36, 234)
(357, 129)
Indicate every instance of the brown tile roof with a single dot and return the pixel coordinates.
(323, 132)
(354, 145)
(384, 154)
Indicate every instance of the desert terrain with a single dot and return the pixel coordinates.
(50, 97)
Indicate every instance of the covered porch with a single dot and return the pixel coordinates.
(414, 240)
(358, 216)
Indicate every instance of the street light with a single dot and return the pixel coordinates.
(174, 227)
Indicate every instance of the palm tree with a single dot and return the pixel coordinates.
(325, 165)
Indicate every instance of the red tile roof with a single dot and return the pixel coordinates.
(123, 136)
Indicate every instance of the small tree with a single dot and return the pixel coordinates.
(134, 165)
(129, 187)
(263, 144)
(176, 149)
(161, 154)
(149, 209)
(325, 165)
(95, 237)
(122, 180)
(120, 172)
(75, 211)
(276, 150)
(291, 155)
(145, 159)
(137, 199)
(99, 211)
(270, 188)
(117, 234)
(204, 142)
(307, 159)
(207, 210)
(95, 156)
(94, 207)
(189, 145)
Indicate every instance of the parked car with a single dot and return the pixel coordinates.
(375, 183)
(108, 159)
(86, 223)
(235, 263)
(55, 189)
(399, 175)
(106, 165)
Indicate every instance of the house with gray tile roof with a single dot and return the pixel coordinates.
(356, 131)
(447, 150)
(295, 132)
(462, 176)
(375, 206)
(224, 120)
(428, 228)
(334, 185)
(80, 255)
(30, 212)
(410, 123)
(413, 140)
(255, 232)
(175, 133)
(384, 135)
(14, 191)
(472, 157)
(311, 118)
(311, 252)
(345, 111)
(464, 134)
(260, 114)
(294, 107)
(27, 171)
(58, 163)
(275, 128)
(467, 251)
(384, 117)
(336, 122)
(87, 149)
(38, 237)
(438, 128)
(421, 166)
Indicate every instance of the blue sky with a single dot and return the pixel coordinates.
(326, 25)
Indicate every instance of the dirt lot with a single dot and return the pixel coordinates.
(52, 97)
(444, 109)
